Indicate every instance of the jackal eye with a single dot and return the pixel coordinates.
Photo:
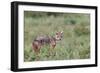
(57, 36)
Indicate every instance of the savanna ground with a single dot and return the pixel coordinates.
(75, 43)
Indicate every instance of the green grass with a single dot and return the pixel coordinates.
(75, 43)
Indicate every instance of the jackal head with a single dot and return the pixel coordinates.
(59, 35)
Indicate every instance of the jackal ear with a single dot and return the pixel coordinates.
(61, 31)
(56, 33)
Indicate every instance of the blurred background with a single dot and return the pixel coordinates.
(75, 43)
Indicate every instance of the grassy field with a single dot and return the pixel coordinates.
(75, 43)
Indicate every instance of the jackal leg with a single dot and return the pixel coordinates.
(36, 48)
(51, 50)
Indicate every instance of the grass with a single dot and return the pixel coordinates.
(76, 37)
